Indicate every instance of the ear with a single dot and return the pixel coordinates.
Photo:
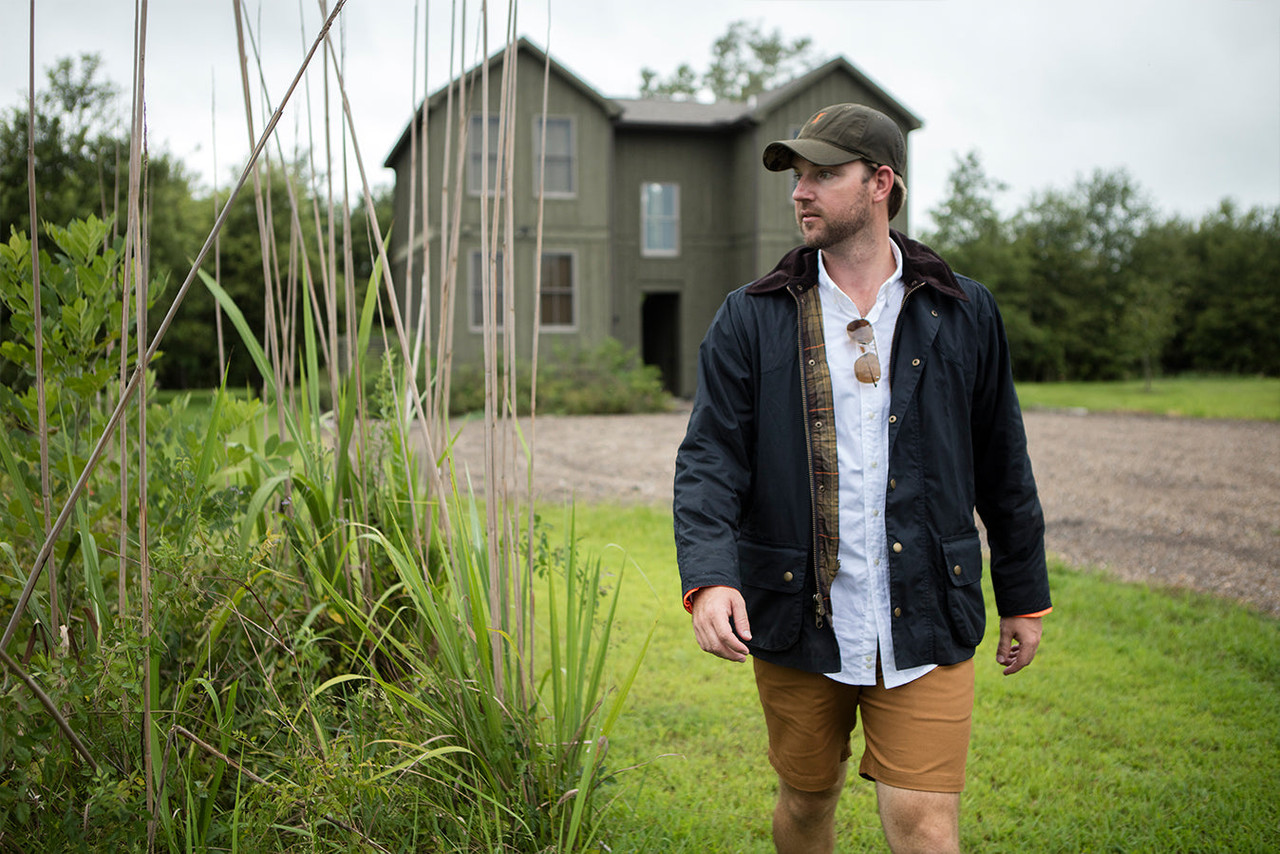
(882, 182)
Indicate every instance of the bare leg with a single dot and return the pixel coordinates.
(924, 822)
(804, 822)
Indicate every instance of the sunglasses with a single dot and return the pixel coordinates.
(867, 366)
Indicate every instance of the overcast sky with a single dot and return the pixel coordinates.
(1184, 94)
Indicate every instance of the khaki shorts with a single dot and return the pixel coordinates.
(916, 735)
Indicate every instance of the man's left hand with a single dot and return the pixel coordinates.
(1019, 638)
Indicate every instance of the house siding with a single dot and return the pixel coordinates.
(735, 219)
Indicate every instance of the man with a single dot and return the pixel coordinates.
(854, 407)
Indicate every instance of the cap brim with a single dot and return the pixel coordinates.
(778, 155)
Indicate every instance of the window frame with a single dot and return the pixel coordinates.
(572, 290)
(475, 153)
(571, 157)
(646, 251)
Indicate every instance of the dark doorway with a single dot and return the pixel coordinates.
(660, 336)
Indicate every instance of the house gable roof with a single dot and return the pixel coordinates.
(689, 115)
(768, 102)
(524, 45)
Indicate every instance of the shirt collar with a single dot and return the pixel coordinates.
(825, 280)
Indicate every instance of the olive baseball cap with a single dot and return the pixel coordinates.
(841, 133)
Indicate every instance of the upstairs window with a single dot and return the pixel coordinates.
(561, 160)
(476, 154)
(659, 220)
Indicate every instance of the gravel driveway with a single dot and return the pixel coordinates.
(1190, 503)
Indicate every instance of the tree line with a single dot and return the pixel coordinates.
(1094, 284)
(81, 166)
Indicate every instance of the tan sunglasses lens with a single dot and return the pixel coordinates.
(867, 368)
(860, 331)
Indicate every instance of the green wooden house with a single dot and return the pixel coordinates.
(653, 210)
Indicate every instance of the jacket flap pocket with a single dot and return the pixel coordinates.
(772, 567)
(963, 557)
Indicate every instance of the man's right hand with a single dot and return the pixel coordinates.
(713, 607)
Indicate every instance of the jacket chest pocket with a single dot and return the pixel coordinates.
(773, 583)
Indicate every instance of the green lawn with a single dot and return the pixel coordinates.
(1254, 398)
(1150, 721)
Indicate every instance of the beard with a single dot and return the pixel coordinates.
(833, 229)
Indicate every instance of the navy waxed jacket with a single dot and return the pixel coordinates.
(749, 506)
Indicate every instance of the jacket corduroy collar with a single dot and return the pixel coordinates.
(919, 263)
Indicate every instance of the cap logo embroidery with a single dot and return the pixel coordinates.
(817, 118)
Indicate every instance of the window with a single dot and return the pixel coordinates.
(559, 296)
(475, 154)
(476, 290)
(660, 219)
(561, 177)
(557, 291)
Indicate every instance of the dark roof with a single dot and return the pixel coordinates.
(690, 114)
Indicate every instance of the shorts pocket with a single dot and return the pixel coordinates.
(773, 578)
(967, 613)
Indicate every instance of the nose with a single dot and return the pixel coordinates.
(802, 189)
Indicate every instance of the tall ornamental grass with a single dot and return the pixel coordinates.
(286, 622)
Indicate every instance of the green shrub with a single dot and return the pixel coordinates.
(604, 380)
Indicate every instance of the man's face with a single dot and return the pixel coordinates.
(833, 203)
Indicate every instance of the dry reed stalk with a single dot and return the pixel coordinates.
(42, 407)
(139, 373)
(487, 300)
(512, 617)
(528, 604)
(271, 339)
(217, 241)
(328, 328)
(411, 227)
(435, 482)
(134, 255)
(424, 307)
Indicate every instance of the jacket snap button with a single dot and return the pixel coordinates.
(786, 576)
(934, 312)
(897, 612)
(893, 419)
(956, 569)
(897, 548)
(817, 425)
(915, 363)
(893, 483)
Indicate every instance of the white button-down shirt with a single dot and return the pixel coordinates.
(860, 592)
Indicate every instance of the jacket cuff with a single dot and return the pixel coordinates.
(1028, 616)
(688, 599)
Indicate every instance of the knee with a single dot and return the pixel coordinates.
(807, 808)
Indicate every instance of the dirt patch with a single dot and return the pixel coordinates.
(1169, 501)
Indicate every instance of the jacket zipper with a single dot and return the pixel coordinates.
(819, 607)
